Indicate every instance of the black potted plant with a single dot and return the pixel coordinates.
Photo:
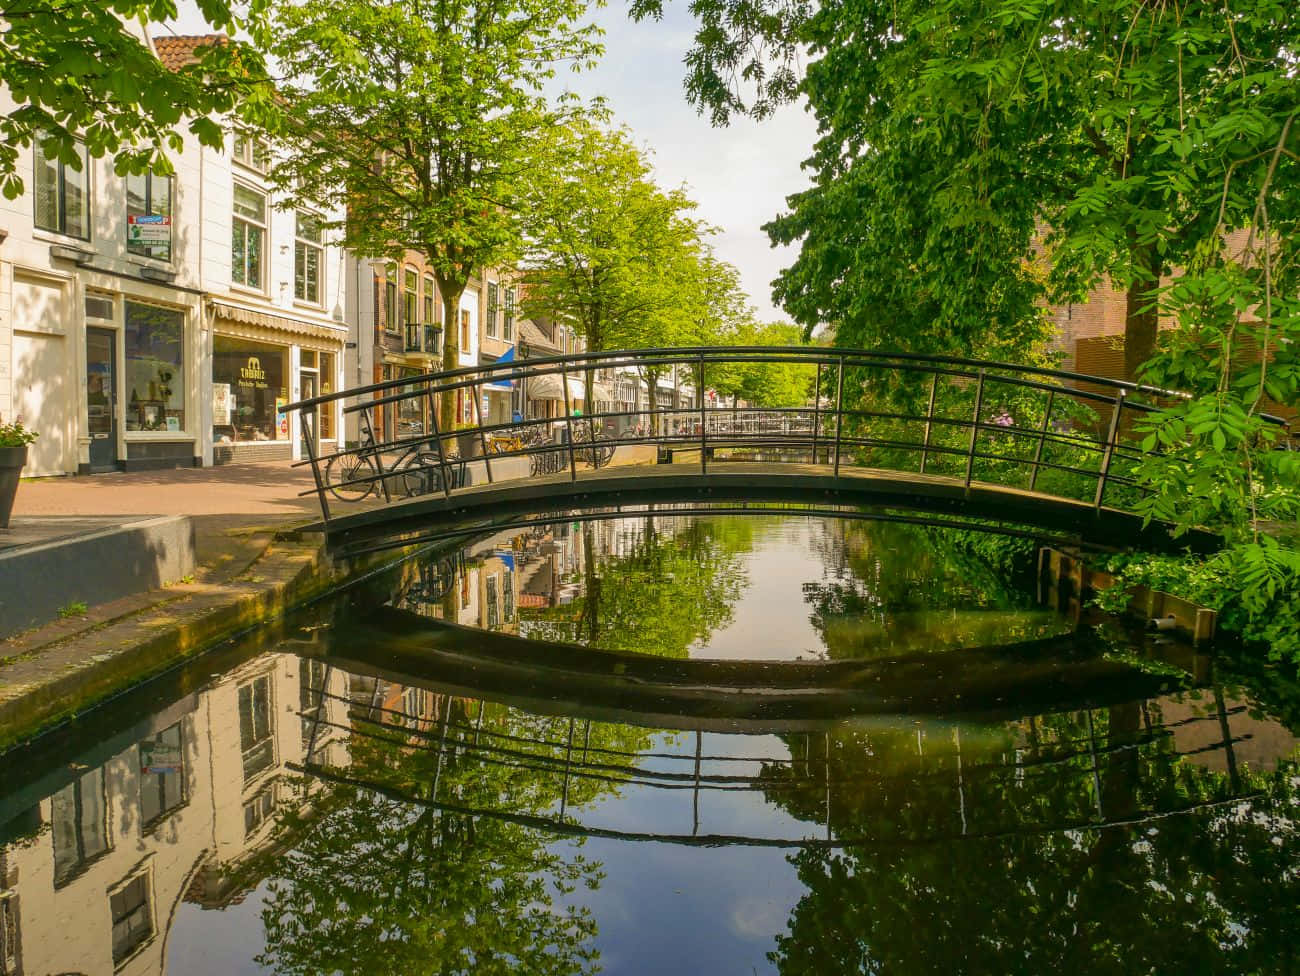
(14, 438)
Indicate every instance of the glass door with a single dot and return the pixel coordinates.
(307, 384)
(101, 398)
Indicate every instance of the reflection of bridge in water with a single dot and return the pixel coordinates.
(1101, 757)
(962, 439)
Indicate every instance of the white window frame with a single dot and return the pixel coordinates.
(264, 227)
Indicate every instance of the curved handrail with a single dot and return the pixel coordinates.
(1071, 438)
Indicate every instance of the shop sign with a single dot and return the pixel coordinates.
(148, 229)
(252, 375)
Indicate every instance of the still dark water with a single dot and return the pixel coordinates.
(927, 774)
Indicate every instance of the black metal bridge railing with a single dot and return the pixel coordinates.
(1047, 431)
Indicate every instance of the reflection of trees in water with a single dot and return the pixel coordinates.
(379, 882)
(666, 591)
(894, 587)
(1186, 879)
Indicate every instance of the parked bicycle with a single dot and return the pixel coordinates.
(413, 470)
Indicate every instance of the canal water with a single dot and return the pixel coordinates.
(667, 745)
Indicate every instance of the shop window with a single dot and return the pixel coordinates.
(149, 195)
(411, 298)
(155, 368)
(490, 328)
(79, 825)
(327, 410)
(430, 301)
(249, 384)
(308, 259)
(162, 774)
(132, 917)
(508, 323)
(256, 730)
(410, 412)
(248, 234)
(464, 330)
(62, 192)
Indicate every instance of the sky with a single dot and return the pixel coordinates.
(739, 175)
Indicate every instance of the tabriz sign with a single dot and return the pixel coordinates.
(148, 229)
(252, 374)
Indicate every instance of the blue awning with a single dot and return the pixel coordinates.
(506, 385)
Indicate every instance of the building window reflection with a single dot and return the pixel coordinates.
(311, 688)
(493, 604)
(10, 961)
(259, 809)
(162, 774)
(79, 825)
(132, 917)
(255, 727)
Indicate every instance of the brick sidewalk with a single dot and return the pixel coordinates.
(266, 492)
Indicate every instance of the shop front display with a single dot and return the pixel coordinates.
(155, 368)
(250, 385)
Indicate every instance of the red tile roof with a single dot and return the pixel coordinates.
(177, 51)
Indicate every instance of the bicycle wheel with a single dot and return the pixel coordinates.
(340, 472)
(419, 476)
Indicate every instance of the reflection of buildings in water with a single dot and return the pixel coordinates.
(108, 856)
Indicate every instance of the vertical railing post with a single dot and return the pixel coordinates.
(1042, 437)
(310, 440)
(929, 421)
(1111, 438)
(704, 422)
(568, 420)
(974, 430)
(482, 436)
(839, 413)
(443, 472)
(374, 452)
(817, 410)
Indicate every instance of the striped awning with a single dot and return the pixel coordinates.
(279, 323)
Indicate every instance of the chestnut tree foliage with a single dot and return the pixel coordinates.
(76, 71)
(978, 158)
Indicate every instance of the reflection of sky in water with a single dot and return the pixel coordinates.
(666, 907)
(771, 620)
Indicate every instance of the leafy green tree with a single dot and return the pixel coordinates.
(423, 119)
(1023, 150)
(81, 70)
(601, 234)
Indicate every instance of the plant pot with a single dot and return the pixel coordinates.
(12, 460)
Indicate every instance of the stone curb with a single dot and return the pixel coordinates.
(56, 682)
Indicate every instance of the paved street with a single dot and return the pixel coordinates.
(267, 491)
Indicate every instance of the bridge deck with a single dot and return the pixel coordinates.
(738, 482)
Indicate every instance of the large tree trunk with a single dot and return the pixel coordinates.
(1141, 323)
(451, 292)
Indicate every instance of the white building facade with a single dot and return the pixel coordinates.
(161, 321)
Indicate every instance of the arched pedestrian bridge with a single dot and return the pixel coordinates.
(849, 432)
